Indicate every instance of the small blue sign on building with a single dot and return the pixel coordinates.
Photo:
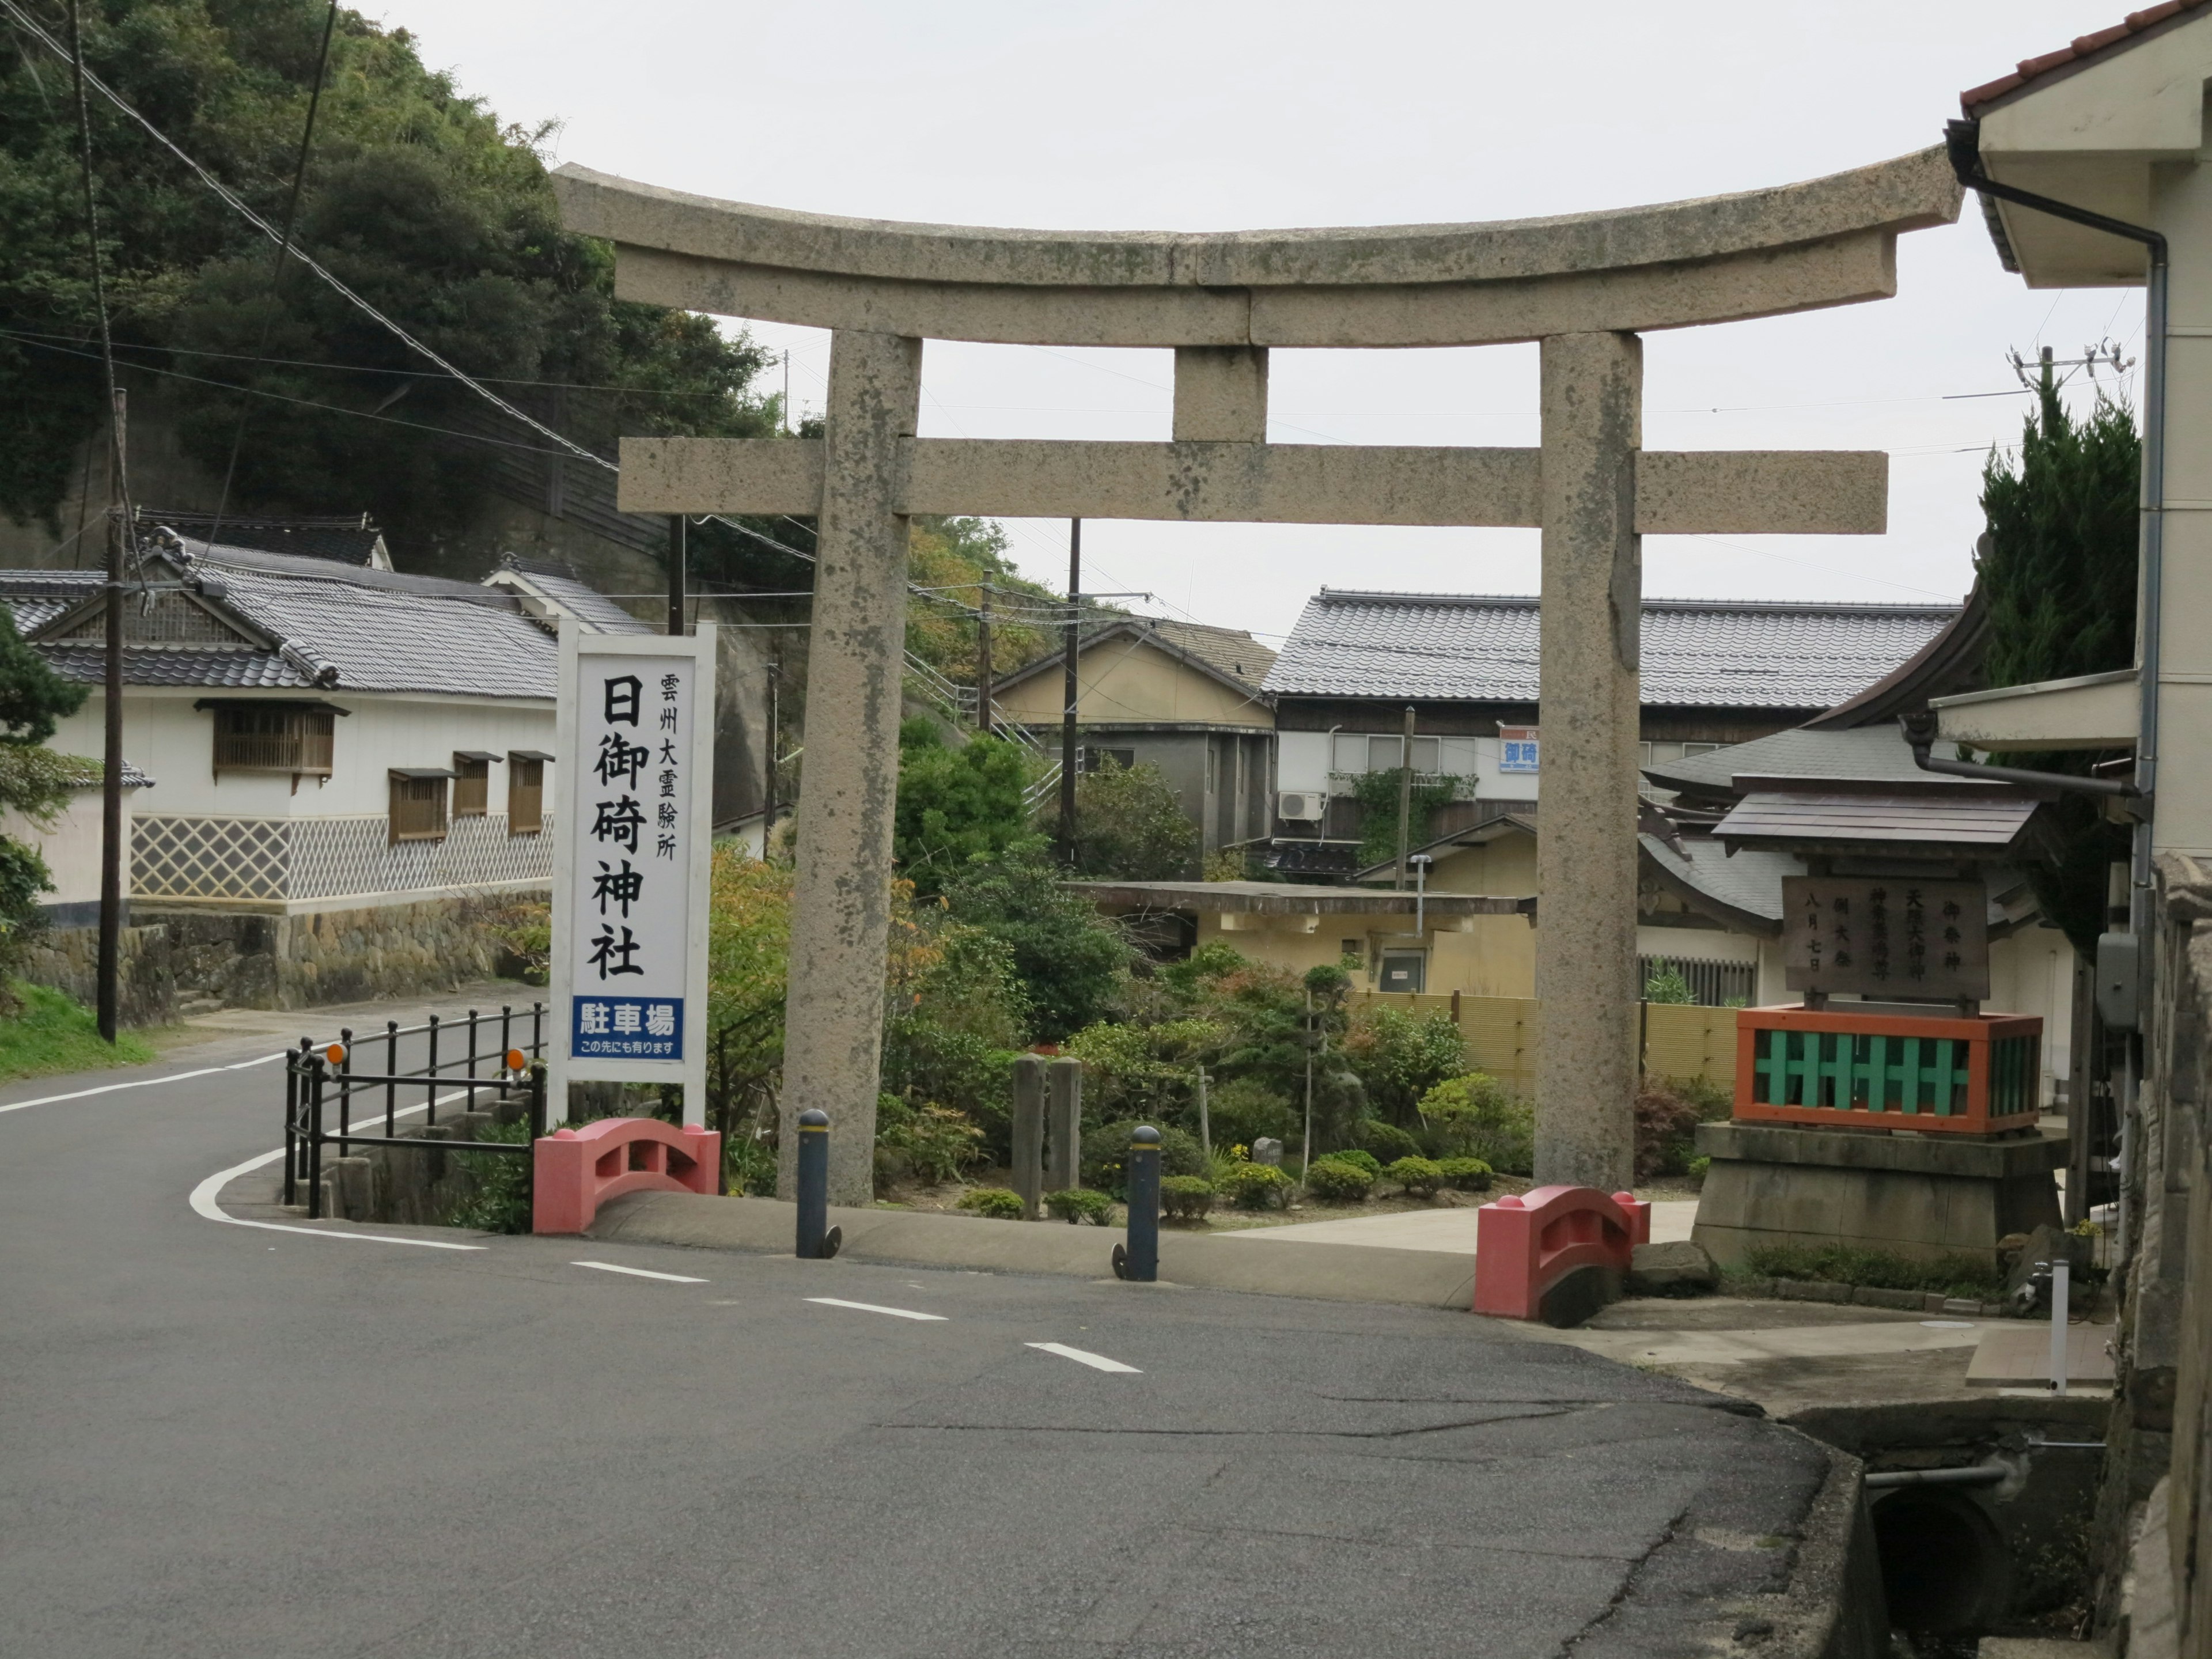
(1519, 746)
(628, 1027)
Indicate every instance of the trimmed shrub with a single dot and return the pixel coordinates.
(1242, 1109)
(1420, 1176)
(1256, 1187)
(1357, 1157)
(1385, 1141)
(1076, 1205)
(1106, 1154)
(1474, 1115)
(1338, 1181)
(1186, 1198)
(1467, 1174)
(993, 1203)
(1665, 1131)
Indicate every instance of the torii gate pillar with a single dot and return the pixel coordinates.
(1584, 285)
(1591, 710)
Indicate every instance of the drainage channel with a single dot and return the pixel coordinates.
(1979, 1511)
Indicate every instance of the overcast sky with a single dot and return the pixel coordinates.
(1197, 116)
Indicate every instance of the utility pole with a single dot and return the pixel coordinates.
(111, 788)
(983, 662)
(1305, 1149)
(767, 767)
(675, 574)
(1074, 632)
(1405, 797)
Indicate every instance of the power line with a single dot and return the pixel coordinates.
(276, 264)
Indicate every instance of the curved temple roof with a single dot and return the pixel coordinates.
(1826, 242)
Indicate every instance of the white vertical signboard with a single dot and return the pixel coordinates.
(634, 783)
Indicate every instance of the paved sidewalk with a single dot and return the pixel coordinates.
(1449, 1231)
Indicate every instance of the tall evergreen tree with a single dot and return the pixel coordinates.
(2058, 572)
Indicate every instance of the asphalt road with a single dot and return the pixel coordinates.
(226, 1440)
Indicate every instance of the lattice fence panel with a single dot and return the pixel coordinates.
(334, 857)
(209, 858)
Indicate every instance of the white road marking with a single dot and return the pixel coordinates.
(204, 1195)
(639, 1272)
(1097, 1361)
(139, 1082)
(870, 1307)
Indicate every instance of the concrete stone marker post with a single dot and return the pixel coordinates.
(1583, 284)
(1593, 589)
(1065, 1111)
(1029, 1131)
(841, 908)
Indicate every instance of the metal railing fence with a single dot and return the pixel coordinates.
(314, 1088)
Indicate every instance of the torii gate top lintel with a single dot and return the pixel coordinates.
(1585, 285)
(1791, 247)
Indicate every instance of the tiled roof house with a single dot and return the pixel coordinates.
(323, 733)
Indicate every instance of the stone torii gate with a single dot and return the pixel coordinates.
(1584, 285)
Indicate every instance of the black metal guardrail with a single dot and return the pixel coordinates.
(315, 1083)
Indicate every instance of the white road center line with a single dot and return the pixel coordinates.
(140, 1083)
(639, 1272)
(870, 1307)
(1097, 1361)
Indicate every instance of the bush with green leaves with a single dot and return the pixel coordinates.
(1466, 1175)
(1384, 1141)
(1256, 1187)
(1338, 1182)
(1474, 1115)
(1399, 1056)
(1076, 1205)
(1357, 1157)
(1243, 1110)
(1186, 1198)
(993, 1203)
(957, 803)
(1106, 1154)
(1667, 984)
(935, 1143)
(1130, 826)
(1072, 965)
(1420, 1176)
(496, 1184)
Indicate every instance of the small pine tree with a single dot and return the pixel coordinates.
(2058, 574)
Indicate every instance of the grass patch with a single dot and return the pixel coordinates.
(499, 1200)
(50, 1033)
(1960, 1274)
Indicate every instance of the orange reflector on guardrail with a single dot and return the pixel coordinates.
(335, 1053)
(517, 1060)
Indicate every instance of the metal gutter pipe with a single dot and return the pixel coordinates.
(1920, 737)
(1979, 1474)
(1962, 139)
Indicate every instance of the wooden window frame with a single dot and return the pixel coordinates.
(297, 739)
(420, 805)
(473, 783)
(525, 792)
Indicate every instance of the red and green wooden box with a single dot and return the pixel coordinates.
(1962, 1076)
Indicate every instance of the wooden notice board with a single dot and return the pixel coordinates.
(1879, 936)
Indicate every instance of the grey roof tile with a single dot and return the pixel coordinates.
(1696, 652)
(1861, 753)
(157, 665)
(578, 598)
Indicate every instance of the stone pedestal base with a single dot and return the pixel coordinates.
(1913, 1197)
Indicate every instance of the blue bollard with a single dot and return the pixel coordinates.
(1138, 1260)
(817, 1239)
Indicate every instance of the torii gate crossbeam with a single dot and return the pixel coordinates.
(1584, 285)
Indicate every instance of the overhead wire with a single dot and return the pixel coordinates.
(276, 262)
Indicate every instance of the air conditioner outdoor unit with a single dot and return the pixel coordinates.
(1301, 805)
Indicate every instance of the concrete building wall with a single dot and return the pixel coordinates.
(1124, 680)
(174, 744)
(71, 850)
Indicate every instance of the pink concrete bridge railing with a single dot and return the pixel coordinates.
(576, 1170)
(1526, 1245)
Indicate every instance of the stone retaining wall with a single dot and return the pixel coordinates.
(68, 959)
(253, 960)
